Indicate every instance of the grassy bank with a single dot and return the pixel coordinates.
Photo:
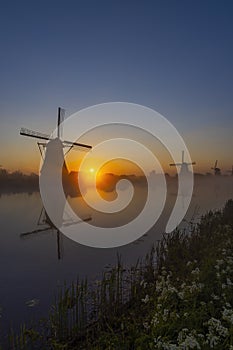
(179, 297)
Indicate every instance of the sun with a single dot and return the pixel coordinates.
(92, 170)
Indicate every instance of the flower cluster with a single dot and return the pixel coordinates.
(196, 312)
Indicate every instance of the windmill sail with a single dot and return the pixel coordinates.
(42, 136)
(60, 120)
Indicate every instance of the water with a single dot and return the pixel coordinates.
(30, 271)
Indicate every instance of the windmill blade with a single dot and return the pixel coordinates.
(41, 136)
(60, 120)
(34, 134)
(77, 222)
(175, 164)
(25, 234)
(40, 230)
(77, 144)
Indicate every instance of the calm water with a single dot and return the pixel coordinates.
(30, 268)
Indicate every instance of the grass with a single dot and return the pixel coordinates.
(179, 297)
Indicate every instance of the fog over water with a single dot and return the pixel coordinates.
(35, 264)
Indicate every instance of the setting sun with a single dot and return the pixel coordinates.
(92, 170)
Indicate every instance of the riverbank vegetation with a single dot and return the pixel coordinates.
(179, 297)
(17, 182)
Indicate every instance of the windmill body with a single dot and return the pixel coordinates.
(184, 166)
(53, 148)
(217, 171)
(231, 171)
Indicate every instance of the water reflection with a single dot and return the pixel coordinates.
(44, 224)
(30, 268)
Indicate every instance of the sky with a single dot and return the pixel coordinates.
(173, 56)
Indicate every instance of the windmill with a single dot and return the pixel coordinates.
(217, 171)
(184, 193)
(184, 166)
(45, 148)
(46, 138)
(47, 142)
(231, 171)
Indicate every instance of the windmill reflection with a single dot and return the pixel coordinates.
(44, 224)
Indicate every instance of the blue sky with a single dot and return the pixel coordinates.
(173, 56)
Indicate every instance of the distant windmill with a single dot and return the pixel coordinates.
(217, 171)
(231, 171)
(184, 166)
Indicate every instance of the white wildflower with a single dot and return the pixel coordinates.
(215, 326)
(143, 283)
(165, 314)
(164, 272)
(172, 289)
(181, 295)
(187, 340)
(212, 340)
(190, 343)
(229, 283)
(159, 344)
(146, 299)
(155, 320)
(227, 315)
(219, 262)
(196, 271)
(195, 287)
(215, 297)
